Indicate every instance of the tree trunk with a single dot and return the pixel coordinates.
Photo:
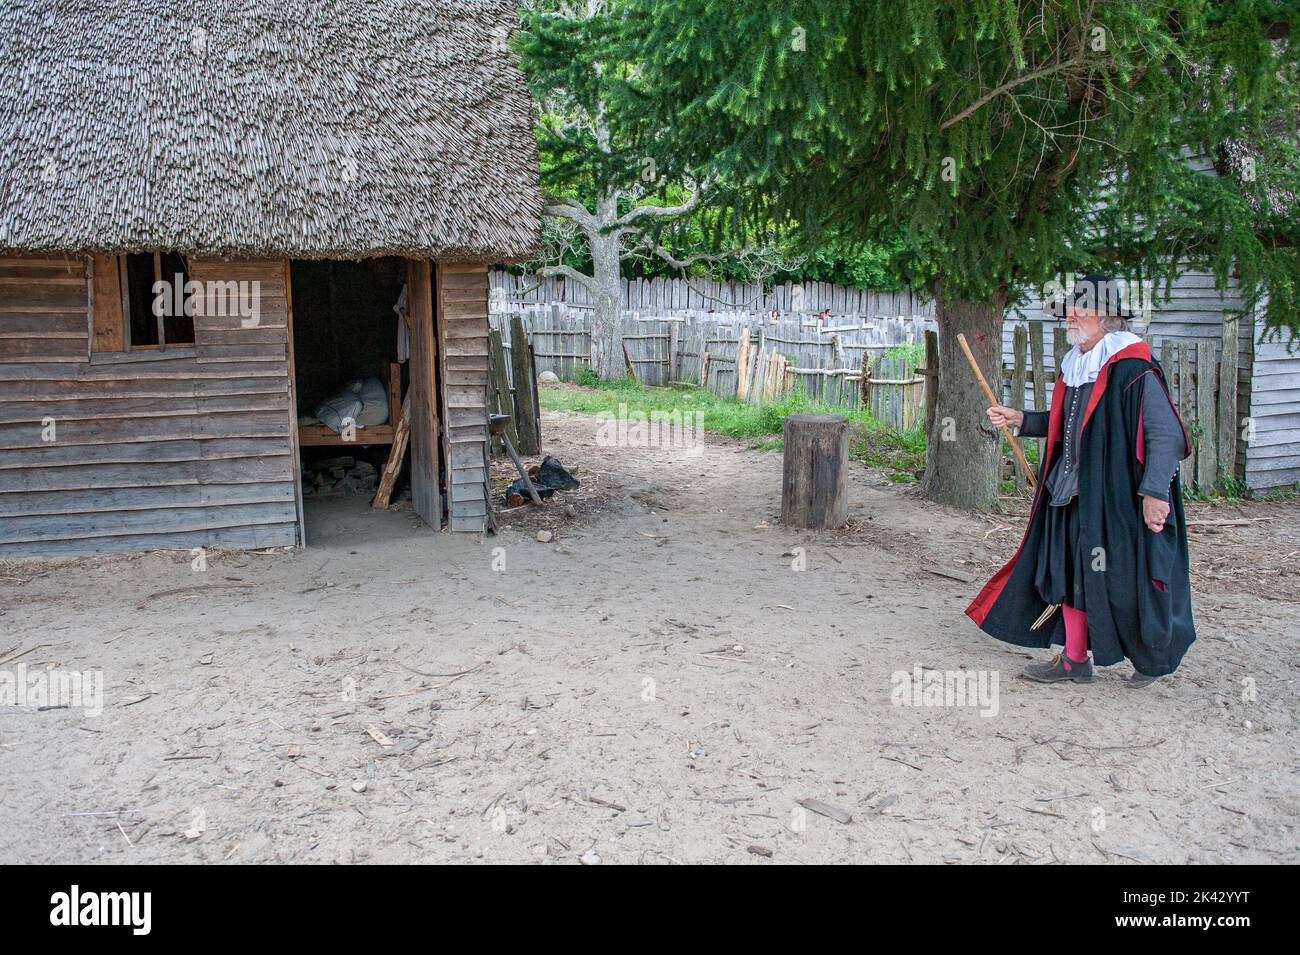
(964, 453)
(606, 342)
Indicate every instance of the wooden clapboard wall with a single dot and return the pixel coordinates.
(1273, 455)
(43, 309)
(177, 448)
(462, 319)
(1268, 378)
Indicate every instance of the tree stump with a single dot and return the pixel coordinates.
(813, 490)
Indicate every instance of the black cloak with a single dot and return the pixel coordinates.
(1138, 592)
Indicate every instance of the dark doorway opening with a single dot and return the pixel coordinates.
(349, 367)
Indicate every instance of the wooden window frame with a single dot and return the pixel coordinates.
(111, 309)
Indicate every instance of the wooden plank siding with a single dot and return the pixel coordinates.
(172, 448)
(462, 318)
(1273, 429)
(1268, 378)
(44, 315)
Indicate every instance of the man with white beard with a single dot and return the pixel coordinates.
(1106, 541)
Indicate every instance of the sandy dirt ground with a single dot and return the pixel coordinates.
(658, 684)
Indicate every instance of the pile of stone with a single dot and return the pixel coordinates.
(343, 475)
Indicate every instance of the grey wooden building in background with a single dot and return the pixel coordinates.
(1266, 422)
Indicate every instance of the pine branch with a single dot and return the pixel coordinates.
(1010, 85)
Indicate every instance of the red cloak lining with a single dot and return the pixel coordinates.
(979, 607)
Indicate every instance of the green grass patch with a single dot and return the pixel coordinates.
(901, 453)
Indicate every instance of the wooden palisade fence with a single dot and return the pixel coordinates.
(744, 355)
(852, 363)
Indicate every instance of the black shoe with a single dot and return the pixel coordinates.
(1055, 672)
(1139, 681)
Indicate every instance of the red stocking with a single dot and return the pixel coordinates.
(1076, 636)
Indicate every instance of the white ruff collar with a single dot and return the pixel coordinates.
(1080, 367)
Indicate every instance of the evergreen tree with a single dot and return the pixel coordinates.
(1006, 142)
(609, 211)
(590, 192)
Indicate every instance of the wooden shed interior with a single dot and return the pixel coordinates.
(344, 325)
(346, 328)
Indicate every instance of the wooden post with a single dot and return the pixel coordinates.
(557, 321)
(816, 462)
(1187, 402)
(537, 400)
(1169, 362)
(627, 360)
(755, 392)
(674, 342)
(521, 366)
(502, 402)
(1206, 378)
(1228, 398)
(864, 382)
(931, 374)
(295, 439)
(742, 364)
(1059, 347)
(760, 373)
(1019, 341)
(1038, 369)
(426, 484)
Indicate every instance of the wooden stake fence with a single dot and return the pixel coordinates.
(851, 363)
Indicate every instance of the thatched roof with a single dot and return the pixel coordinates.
(307, 128)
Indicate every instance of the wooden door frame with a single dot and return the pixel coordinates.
(426, 476)
(426, 484)
(293, 404)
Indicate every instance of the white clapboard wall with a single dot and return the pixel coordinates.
(1268, 375)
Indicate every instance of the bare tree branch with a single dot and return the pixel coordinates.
(566, 208)
(569, 272)
(762, 262)
(658, 212)
(751, 304)
(690, 260)
(1010, 85)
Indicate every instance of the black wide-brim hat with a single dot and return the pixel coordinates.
(1101, 293)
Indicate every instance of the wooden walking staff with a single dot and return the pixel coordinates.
(1015, 446)
(993, 403)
